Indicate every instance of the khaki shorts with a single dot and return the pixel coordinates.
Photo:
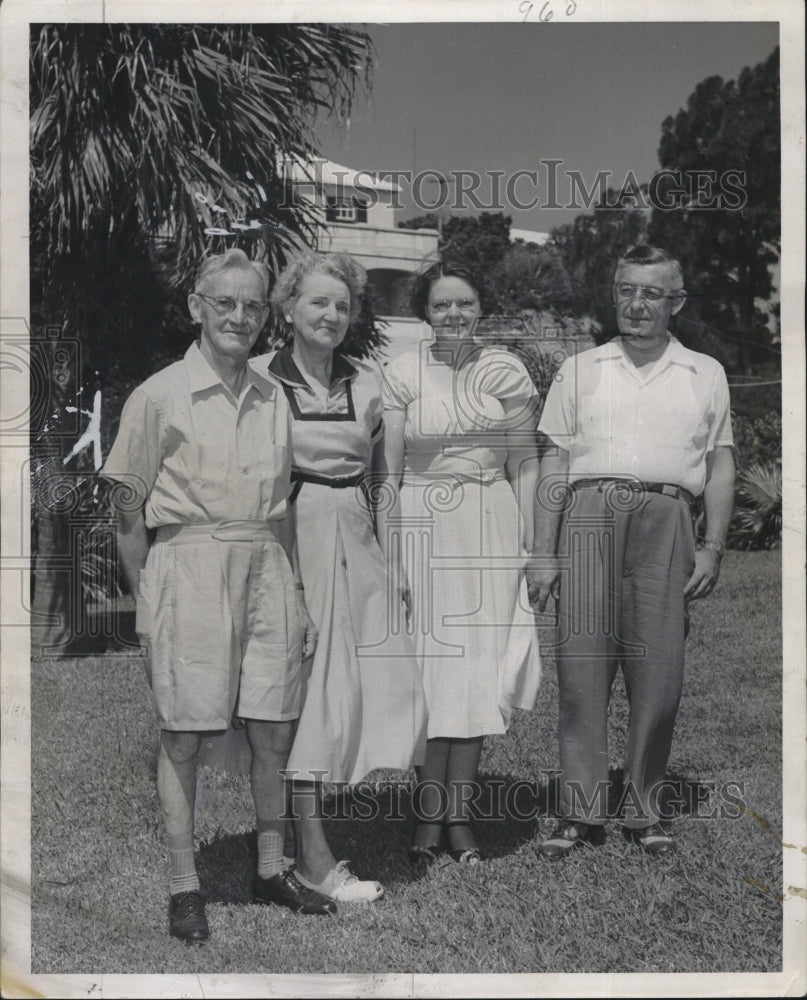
(220, 617)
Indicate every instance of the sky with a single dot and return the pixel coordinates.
(509, 96)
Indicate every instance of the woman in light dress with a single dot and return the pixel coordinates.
(364, 704)
(461, 453)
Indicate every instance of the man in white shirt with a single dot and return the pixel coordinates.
(636, 430)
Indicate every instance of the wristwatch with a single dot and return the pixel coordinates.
(717, 547)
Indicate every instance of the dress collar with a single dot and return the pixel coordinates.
(283, 367)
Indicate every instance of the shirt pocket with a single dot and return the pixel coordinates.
(213, 472)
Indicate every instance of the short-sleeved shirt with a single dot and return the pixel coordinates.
(455, 417)
(657, 423)
(334, 429)
(196, 454)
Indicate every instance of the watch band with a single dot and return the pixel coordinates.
(711, 546)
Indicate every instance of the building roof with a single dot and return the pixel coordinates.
(327, 173)
(529, 236)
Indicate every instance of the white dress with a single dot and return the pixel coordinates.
(364, 703)
(461, 537)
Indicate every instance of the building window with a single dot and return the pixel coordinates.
(345, 210)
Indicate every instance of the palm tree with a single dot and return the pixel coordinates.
(137, 131)
(148, 143)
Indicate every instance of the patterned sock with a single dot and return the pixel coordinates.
(270, 850)
(183, 866)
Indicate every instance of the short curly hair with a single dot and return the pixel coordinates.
(442, 267)
(336, 265)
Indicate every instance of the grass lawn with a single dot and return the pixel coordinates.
(99, 894)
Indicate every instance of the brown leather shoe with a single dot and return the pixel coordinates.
(186, 917)
(285, 889)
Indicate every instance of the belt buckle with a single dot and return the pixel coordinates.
(671, 491)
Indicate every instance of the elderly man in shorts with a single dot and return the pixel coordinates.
(637, 430)
(207, 545)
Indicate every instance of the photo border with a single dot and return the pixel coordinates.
(15, 771)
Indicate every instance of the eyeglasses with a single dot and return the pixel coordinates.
(224, 305)
(463, 305)
(646, 292)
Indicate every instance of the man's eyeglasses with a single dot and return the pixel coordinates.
(224, 305)
(646, 292)
(443, 306)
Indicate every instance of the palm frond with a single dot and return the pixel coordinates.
(141, 118)
(757, 520)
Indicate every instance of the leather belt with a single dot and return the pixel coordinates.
(666, 489)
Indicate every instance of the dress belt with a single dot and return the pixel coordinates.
(335, 483)
(221, 531)
(667, 489)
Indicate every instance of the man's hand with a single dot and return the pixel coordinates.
(398, 583)
(704, 576)
(717, 500)
(543, 580)
(310, 633)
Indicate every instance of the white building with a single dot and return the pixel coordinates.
(529, 236)
(358, 214)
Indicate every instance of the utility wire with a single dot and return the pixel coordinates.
(753, 385)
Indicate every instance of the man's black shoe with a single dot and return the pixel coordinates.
(567, 836)
(186, 917)
(654, 840)
(286, 889)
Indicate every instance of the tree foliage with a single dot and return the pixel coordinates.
(146, 137)
(150, 146)
(757, 518)
(728, 132)
(514, 275)
(588, 249)
(727, 239)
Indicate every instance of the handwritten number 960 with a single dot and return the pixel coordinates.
(546, 12)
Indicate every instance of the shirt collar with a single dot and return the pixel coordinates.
(677, 354)
(201, 375)
(283, 367)
(674, 354)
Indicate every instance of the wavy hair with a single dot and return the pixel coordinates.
(336, 265)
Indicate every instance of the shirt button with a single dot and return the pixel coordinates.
(245, 470)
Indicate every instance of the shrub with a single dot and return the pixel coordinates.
(757, 520)
(756, 441)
